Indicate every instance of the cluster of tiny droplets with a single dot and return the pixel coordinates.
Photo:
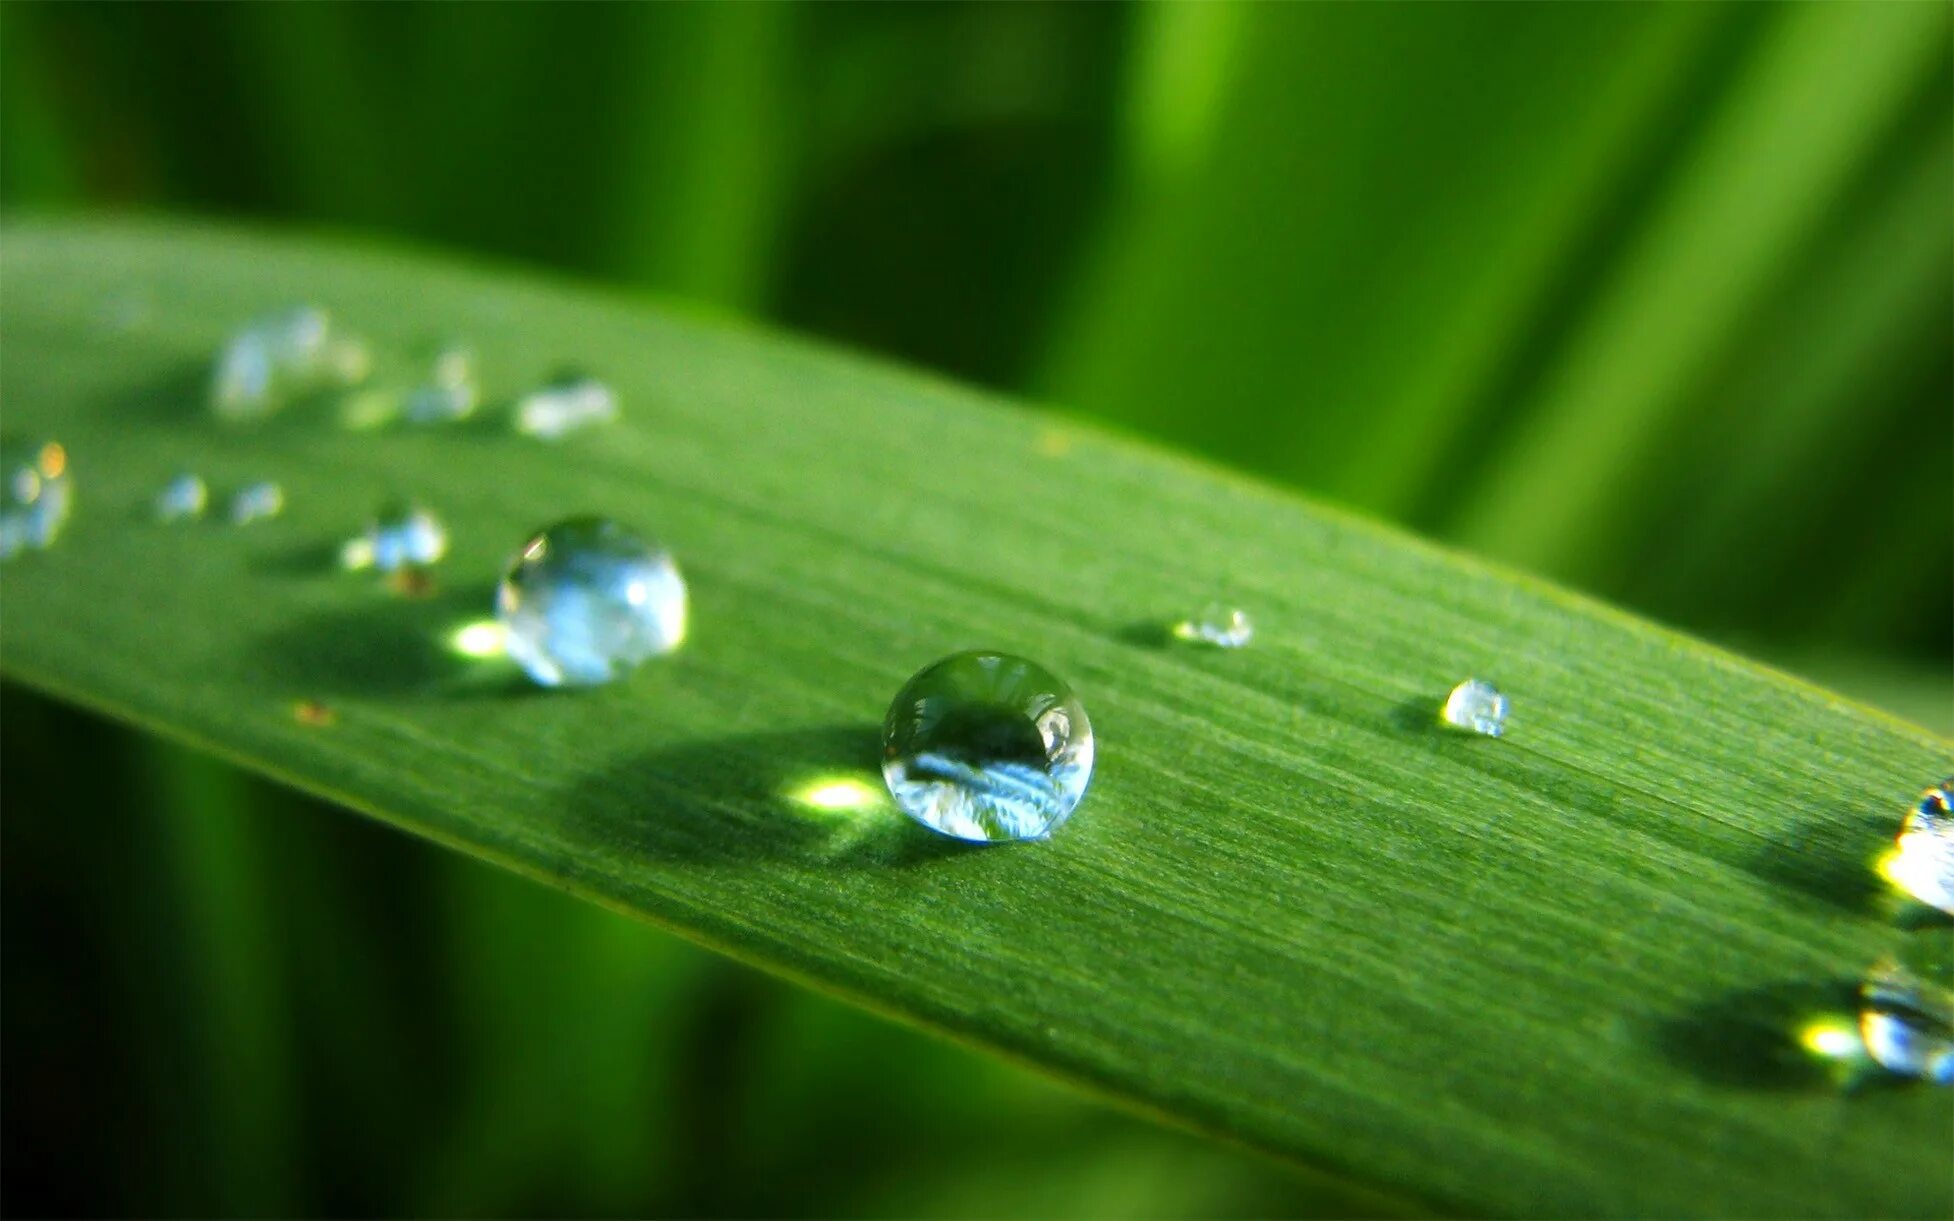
(403, 537)
(36, 496)
(450, 392)
(1218, 625)
(293, 352)
(283, 356)
(257, 502)
(568, 403)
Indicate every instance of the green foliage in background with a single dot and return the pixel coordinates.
(1652, 298)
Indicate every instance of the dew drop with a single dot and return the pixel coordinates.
(1477, 706)
(181, 499)
(987, 747)
(37, 497)
(1219, 625)
(404, 536)
(451, 392)
(256, 502)
(1906, 1014)
(275, 358)
(1923, 860)
(586, 601)
(565, 404)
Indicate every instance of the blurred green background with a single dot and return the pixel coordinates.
(1654, 299)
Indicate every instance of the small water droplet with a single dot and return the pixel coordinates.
(256, 502)
(1220, 625)
(451, 392)
(586, 601)
(1923, 859)
(1906, 1014)
(37, 496)
(1476, 705)
(182, 499)
(565, 404)
(403, 536)
(275, 358)
(987, 747)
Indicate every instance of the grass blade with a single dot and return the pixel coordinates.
(1495, 976)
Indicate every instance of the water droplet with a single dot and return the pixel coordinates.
(565, 404)
(182, 499)
(987, 747)
(403, 536)
(37, 497)
(586, 601)
(279, 356)
(1906, 1014)
(450, 394)
(1476, 705)
(1923, 859)
(1220, 625)
(256, 501)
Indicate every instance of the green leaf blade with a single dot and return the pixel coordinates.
(1476, 974)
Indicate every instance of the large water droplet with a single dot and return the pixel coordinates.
(987, 747)
(1923, 859)
(181, 499)
(37, 496)
(279, 356)
(1218, 624)
(451, 392)
(1476, 705)
(586, 601)
(403, 536)
(565, 404)
(1906, 1014)
(256, 502)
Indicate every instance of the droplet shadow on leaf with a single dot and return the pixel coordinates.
(391, 646)
(1146, 633)
(815, 794)
(182, 397)
(1833, 856)
(179, 396)
(1750, 1039)
(303, 560)
(1420, 716)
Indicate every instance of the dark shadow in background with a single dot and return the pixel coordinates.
(734, 799)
